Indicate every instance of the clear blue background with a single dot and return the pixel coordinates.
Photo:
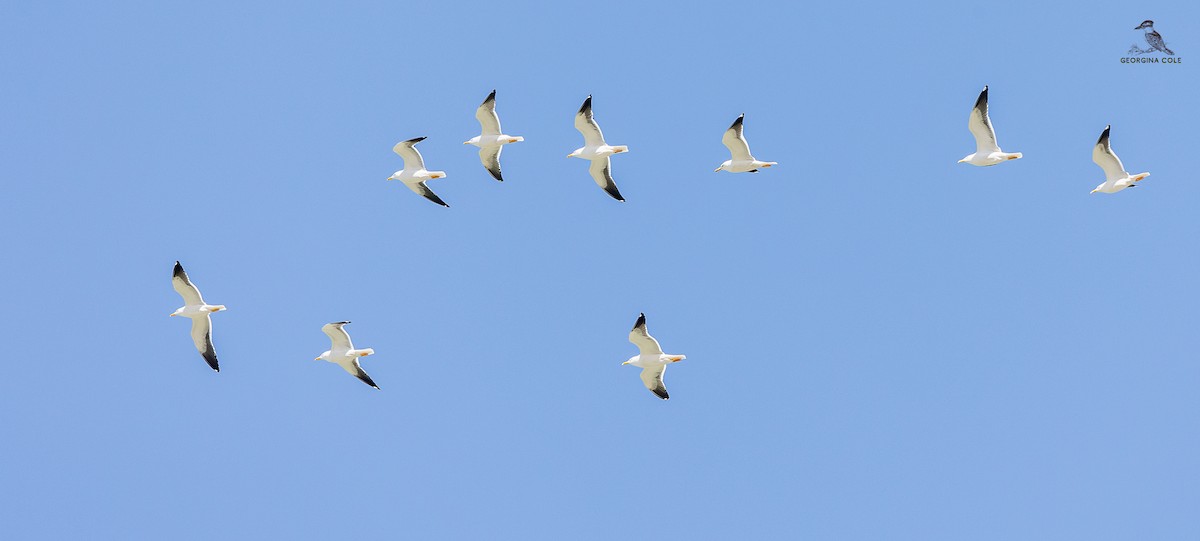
(881, 343)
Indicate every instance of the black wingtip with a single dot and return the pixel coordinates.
(1104, 135)
(587, 105)
(211, 359)
(983, 97)
(614, 192)
(661, 393)
(491, 97)
(738, 122)
(340, 323)
(178, 269)
(415, 140)
(641, 320)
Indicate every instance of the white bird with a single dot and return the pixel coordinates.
(987, 151)
(492, 140)
(651, 358)
(414, 174)
(198, 311)
(596, 150)
(1116, 178)
(343, 353)
(742, 161)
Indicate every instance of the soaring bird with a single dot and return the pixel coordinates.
(742, 161)
(343, 353)
(198, 311)
(1116, 178)
(414, 174)
(492, 140)
(987, 152)
(1153, 37)
(651, 358)
(596, 150)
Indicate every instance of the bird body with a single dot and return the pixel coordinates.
(650, 358)
(195, 309)
(343, 353)
(739, 150)
(414, 175)
(491, 140)
(595, 150)
(987, 151)
(1116, 178)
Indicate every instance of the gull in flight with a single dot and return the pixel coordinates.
(492, 140)
(742, 161)
(651, 358)
(414, 174)
(1116, 178)
(343, 352)
(987, 152)
(198, 311)
(596, 150)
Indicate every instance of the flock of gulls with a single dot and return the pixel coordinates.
(491, 141)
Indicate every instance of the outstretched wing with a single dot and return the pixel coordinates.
(646, 344)
(601, 170)
(338, 335)
(490, 157)
(486, 114)
(981, 126)
(425, 192)
(408, 151)
(652, 377)
(356, 370)
(586, 124)
(1104, 156)
(202, 337)
(736, 142)
(183, 286)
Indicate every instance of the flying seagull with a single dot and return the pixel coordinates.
(414, 174)
(987, 152)
(651, 360)
(343, 352)
(596, 150)
(198, 311)
(492, 140)
(742, 161)
(1153, 37)
(1116, 178)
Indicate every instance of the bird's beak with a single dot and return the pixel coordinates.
(717, 170)
(317, 359)
(466, 142)
(1093, 191)
(171, 314)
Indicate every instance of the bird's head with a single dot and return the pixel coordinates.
(323, 357)
(395, 176)
(574, 153)
(723, 166)
(1145, 24)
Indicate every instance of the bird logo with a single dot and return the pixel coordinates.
(1153, 38)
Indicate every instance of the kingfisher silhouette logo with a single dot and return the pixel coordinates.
(1156, 45)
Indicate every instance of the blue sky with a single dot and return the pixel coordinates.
(881, 343)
